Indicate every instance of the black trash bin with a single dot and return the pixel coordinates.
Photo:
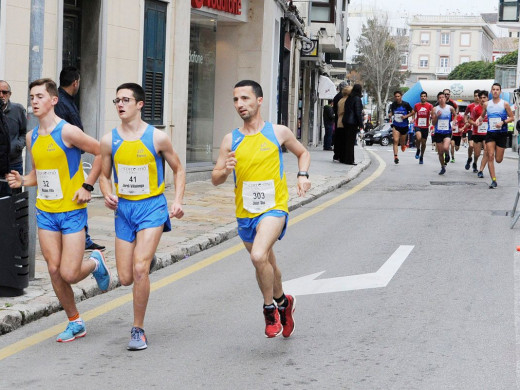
(14, 244)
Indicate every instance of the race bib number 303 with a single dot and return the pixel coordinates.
(258, 196)
(49, 185)
(133, 179)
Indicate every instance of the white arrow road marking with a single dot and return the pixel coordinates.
(307, 285)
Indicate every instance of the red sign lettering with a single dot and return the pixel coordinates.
(229, 6)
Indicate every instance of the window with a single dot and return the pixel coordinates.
(153, 58)
(323, 11)
(445, 38)
(423, 61)
(425, 38)
(464, 59)
(465, 39)
(404, 59)
(444, 62)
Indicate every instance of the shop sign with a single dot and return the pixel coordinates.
(309, 50)
(229, 6)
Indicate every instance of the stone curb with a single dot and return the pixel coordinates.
(18, 315)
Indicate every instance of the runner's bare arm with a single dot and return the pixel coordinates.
(226, 162)
(105, 181)
(286, 137)
(165, 147)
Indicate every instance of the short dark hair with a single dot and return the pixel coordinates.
(257, 89)
(136, 89)
(441, 93)
(423, 93)
(476, 91)
(68, 75)
(497, 84)
(357, 90)
(399, 92)
(50, 86)
(483, 92)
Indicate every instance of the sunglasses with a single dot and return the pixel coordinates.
(5, 92)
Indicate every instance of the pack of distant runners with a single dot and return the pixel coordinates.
(482, 127)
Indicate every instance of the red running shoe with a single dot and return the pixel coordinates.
(273, 326)
(286, 316)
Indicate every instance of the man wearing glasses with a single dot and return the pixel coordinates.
(16, 120)
(136, 152)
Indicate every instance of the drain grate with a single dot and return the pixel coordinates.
(454, 183)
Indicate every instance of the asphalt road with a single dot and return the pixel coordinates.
(445, 320)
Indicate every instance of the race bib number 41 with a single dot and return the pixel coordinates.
(258, 196)
(133, 179)
(49, 185)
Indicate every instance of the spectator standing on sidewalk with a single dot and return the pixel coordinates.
(328, 122)
(15, 118)
(67, 110)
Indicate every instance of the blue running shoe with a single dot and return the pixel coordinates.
(480, 175)
(421, 161)
(138, 339)
(417, 155)
(443, 171)
(74, 331)
(102, 275)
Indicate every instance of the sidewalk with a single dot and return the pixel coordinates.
(209, 220)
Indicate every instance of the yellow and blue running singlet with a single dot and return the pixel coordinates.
(260, 183)
(138, 169)
(58, 171)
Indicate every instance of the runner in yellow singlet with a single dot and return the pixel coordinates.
(136, 152)
(253, 153)
(63, 194)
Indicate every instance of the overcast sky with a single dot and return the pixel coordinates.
(429, 7)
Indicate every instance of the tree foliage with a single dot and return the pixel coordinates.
(508, 59)
(379, 60)
(473, 70)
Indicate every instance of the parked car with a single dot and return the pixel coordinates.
(382, 135)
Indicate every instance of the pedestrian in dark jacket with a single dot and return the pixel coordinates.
(352, 122)
(328, 122)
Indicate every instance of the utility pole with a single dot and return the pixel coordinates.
(35, 72)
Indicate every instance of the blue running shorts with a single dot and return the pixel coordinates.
(67, 222)
(132, 216)
(247, 226)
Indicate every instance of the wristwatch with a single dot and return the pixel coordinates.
(303, 173)
(88, 187)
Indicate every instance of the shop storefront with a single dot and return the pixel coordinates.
(201, 88)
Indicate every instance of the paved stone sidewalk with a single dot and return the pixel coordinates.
(208, 220)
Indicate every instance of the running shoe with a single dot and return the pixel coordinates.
(93, 247)
(443, 170)
(446, 158)
(396, 160)
(273, 325)
(421, 161)
(452, 160)
(480, 175)
(403, 148)
(468, 164)
(138, 339)
(417, 155)
(286, 316)
(475, 170)
(74, 330)
(493, 184)
(102, 275)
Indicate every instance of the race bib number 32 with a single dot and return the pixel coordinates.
(133, 179)
(258, 196)
(49, 185)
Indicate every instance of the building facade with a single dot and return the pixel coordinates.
(187, 54)
(439, 43)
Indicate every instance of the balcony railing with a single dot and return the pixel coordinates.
(443, 70)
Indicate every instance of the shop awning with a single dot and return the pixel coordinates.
(326, 88)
